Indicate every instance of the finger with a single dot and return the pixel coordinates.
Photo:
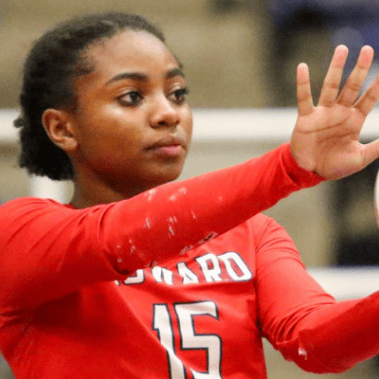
(303, 89)
(332, 82)
(369, 99)
(354, 83)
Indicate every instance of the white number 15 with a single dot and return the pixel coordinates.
(186, 313)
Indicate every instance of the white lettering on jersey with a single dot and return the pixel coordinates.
(215, 268)
(187, 275)
(232, 257)
(162, 275)
(210, 266)
(139, 277)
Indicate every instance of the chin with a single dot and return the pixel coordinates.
(157, 179)
(167, 179)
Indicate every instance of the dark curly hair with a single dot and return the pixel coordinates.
(51, 67)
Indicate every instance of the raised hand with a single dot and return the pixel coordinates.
(326, 137)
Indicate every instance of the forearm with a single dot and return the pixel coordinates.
(336, 337)
(181, 215)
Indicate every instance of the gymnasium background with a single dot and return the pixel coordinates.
(238, 55)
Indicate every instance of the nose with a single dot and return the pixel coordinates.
(164, 113)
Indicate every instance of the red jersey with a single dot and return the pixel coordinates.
(182, 281)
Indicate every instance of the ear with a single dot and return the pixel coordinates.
(58, 126)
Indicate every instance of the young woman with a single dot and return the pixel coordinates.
(136, 278)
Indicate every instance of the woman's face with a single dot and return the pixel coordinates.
(132, 124)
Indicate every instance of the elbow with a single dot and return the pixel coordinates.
(309, 362)
(325, 362)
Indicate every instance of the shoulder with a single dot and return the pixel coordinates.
(260, 220)
(27, 218)
(28, 202)
(264, 231)
(24, 206)
(260, 224)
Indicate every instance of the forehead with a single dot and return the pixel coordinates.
(131, 50)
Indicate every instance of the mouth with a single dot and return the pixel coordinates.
(170, 146)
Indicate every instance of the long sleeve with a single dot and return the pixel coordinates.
(306, 324)
(48, 250)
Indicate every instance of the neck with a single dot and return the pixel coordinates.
(94, 191)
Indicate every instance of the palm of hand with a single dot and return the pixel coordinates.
(326, 138)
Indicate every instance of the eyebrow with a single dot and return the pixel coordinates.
(178, 71)
(174, 72)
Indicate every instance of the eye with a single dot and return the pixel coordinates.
(130, 98)
(179, 95)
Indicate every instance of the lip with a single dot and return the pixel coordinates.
(169, 145)
(167, 142)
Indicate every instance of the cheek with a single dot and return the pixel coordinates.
(116, 125)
